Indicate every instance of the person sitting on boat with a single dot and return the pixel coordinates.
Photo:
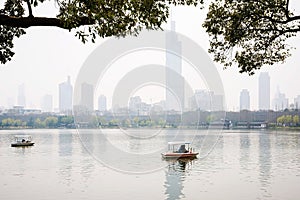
(182, 149)
(23, 140)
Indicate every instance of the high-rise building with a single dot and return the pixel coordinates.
(244, 100)
(65, 96)
(297, 102)
(202, 100)
(206, 101)
(174, 79)
(135, 104)
(47, 103)
(137, 107)
(102, 105)
(280, 102)
(87, 96)
(21, 100)
(264, 91)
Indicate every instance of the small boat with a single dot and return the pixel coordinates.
(179, 150)
(22, 141)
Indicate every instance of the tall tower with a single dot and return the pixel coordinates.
(21, 95)
(65, 96)
(87, 96)
(174, 80)
(102, 104)
(280, 102)
(244, 100)
(264, 91)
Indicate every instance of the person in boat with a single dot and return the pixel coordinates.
(182, 149)
(23, 140)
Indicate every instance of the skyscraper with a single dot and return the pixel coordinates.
(244, 100)
(102, 106)
(206, 101)
(264, 91)
(297, 102)
(65, 96)
(47, 103)
(21, 96)
(87, 96)
(135, 104)
(174, 79)
(280, 102)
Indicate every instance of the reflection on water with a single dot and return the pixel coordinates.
(65, 144)
(175, 176)
(243, 165)
(265, 163)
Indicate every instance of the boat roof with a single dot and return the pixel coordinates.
(178, 142)
(22, 136)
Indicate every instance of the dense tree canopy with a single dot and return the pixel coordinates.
(102, 18)
(251, 33)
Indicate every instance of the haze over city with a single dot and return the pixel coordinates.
(45, 57)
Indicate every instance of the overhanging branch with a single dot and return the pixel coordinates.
(25, 22)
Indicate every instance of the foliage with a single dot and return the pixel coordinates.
(288, 120)
(296, 119)
(7, 33)
(210, 118)
(66, 120)
(38, 123)
(51, 121)
(250, 33)
(103, 18)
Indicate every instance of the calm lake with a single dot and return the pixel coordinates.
(127, 164)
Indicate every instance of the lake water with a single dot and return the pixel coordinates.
(126, 164)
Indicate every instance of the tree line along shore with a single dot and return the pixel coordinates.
(284, 120)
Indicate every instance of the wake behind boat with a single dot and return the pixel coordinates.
(179, 150)
(22, 141)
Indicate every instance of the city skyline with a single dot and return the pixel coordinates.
(65, 55)
(200, 99)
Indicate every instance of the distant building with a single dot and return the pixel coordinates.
(244, 100)
(174, 78)
(21, 100)
(206, 101)
(65, 96)
(280, 102)
(297, 102)
(159, 106)
(87, 96)
(135, 105)
(47, 103)
(264, 91)
(102, 104)
(217, 102)
(201, 100)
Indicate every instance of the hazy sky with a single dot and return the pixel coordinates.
(45, 56)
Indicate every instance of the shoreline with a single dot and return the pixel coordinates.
(165, 128)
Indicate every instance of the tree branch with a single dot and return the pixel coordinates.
(25, 22)
(287, 9)
(29, 8)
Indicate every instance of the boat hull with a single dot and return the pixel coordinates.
(24, 144)
(179, 155)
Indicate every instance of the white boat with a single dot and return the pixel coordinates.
(22, 141)
(179, 150)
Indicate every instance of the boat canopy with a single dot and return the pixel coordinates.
(22, 136)
(178, 142)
